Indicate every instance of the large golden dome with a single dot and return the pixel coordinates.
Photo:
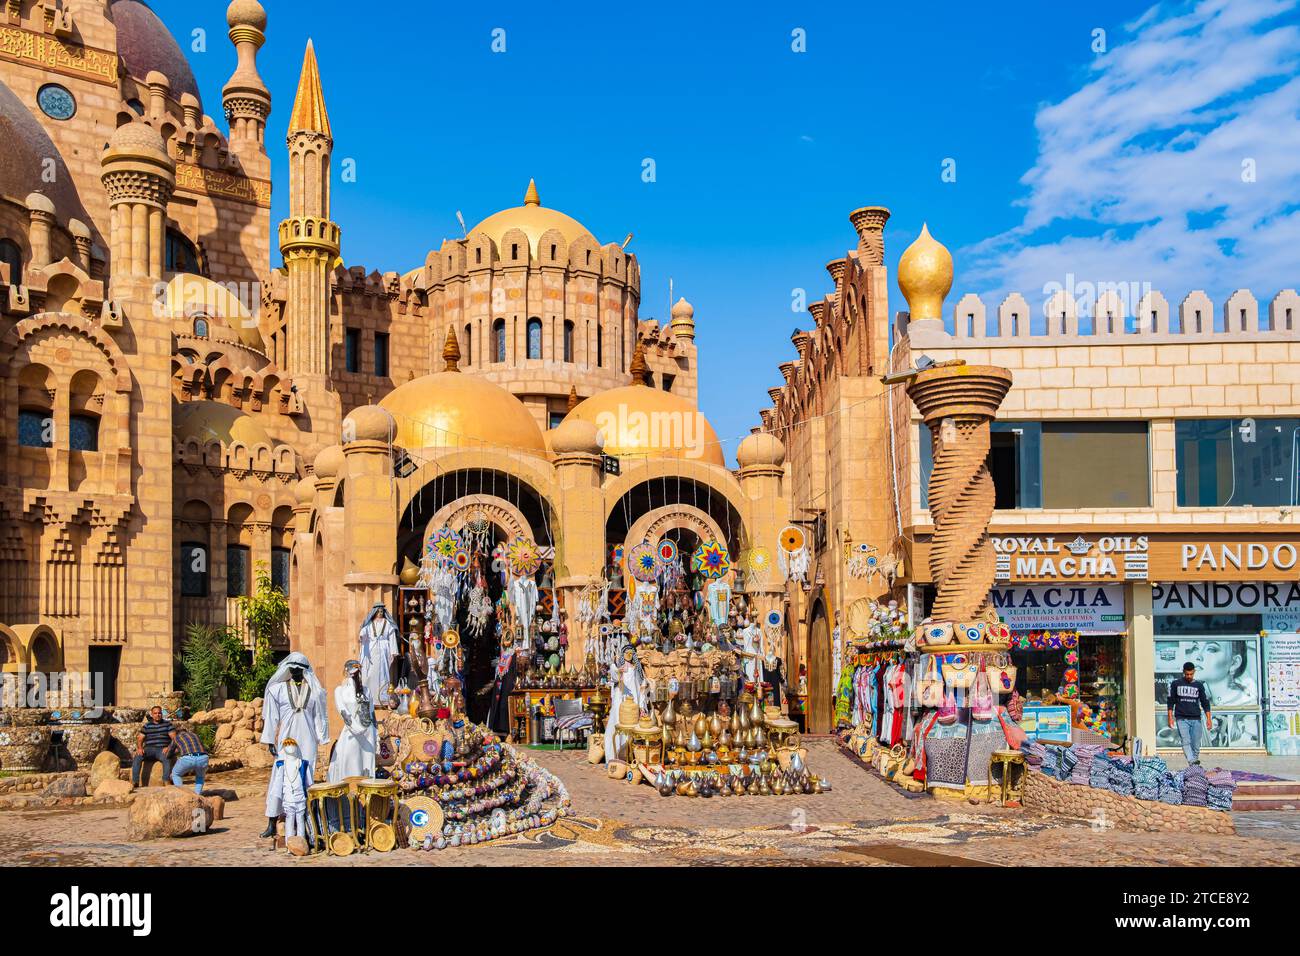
(639, 421)
(925, 276)
(216, 421)
(456, 410)
(534, 219)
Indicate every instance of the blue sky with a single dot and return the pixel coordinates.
(1122, 165)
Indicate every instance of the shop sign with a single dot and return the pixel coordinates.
(1047, 723)
(1216, 597)
(1238, 556)
(1097, 609)
(1104, 558)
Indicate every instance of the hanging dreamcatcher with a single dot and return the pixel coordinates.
(757, 564)
(643, 563)
(772, 622)
(522, 558)
(792, 553)
(442, 545)
(445, 586)
(710, 560)
(480, 606)
(671, 574)
(477, 533)
(861, 560)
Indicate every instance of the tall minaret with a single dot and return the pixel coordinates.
(308, 239)
(246, 99)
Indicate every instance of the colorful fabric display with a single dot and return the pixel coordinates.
(1085, 754)
(1147, 776)
(1195, 787)
(1170, 790)
(1034, 753)
(1067, 764)
(1119, 777)
(1219, 798)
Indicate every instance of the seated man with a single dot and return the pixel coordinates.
(152, 743)
(190, 755)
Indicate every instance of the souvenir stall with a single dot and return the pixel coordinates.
(1081, 671)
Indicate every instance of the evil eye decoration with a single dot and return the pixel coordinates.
(972, 632)
(773, 618)
(419, 818)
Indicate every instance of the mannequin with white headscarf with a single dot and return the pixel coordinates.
(354, 751)
(379, 647)
(293, 706)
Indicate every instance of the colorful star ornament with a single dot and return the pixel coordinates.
(523, 558)
(711, 560)
(643, 562)
(442, 545)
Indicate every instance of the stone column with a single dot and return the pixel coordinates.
(40, 212)
(1141, 654)
(869, 221)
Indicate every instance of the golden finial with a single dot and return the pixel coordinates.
(573, 398)
(309, 106)
(451, 350)
(531, 198)
(925, 276)
(639, 368)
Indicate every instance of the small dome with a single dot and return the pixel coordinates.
(78, 229)
(329, 462)
(369, 423)
(639, 421)
(459, 410)
(187, 295)
(216, 421)
(246, 13)
(305, 490)
(145, 44)
(534, 219)
(39, 202)
(683, 310)
(137, 137)
(760, 448)
(575, 436)
(925, 276)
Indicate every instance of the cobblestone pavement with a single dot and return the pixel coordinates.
(862, 822)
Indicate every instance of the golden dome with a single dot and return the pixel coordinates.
(574, 436)
(760, 448)
(216, 421)
(329, 462)
(925, 276)
(188, 295)
(534, 219)
(639, 421)
(455, 410)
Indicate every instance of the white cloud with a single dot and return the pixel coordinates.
(1139, 173)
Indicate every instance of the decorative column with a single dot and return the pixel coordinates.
(580, 549)
(40, 212)
(869, 222)
(139, 178)
(246, 100)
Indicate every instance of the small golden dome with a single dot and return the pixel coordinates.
(137, 137)
(216, 421)
(305, 491)
(639, 421)
(535, 220)
(368, 423)
(683, 309)
(246, 13)
(329, 462)
(574, 436)
(760, 448)
(925, 276)
(458, 410)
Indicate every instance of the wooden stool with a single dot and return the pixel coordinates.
(651, 737)
(783, 733)
(1008, 760)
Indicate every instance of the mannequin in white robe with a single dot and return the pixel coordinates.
(291, 782)
(627, 680)
(749, 651)
(293, 705)
(354, 752)
(378, 642)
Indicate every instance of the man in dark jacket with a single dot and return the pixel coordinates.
(1189, 704)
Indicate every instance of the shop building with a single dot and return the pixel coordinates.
(1146, 481)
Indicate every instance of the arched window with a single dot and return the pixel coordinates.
(499, 340)
(469, 343)
(600, 346)
(201, 326)
(83, 432)
(534, 338)
(35, 428)
(194, 569)
(181, 254)
(11, 254)
(568, 341)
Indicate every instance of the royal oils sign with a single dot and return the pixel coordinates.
(1081, 558)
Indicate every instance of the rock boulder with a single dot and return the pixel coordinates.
(168, 812)
(105, 767)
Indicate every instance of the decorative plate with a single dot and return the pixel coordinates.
(642, 562)
(667, 550)
(522, 556)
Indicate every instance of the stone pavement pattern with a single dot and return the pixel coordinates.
(861, 822)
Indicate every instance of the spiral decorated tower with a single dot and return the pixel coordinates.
(957, 402)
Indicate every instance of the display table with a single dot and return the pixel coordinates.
(525, 701)
(782, 732)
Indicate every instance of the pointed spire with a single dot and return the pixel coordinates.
(639, 368)
(451, 350)
(573, 398)
(531, 198)
(309, 107)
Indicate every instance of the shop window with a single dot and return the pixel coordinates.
(181, 256)
(35, 428)
(534, 338)
(1235, 462)
(381, 354)
(194, 569)
(11, 254)
(83, 432)
(1225, 648)
(352, 350)
(280, 569)
(568, 341)
(1095, 465)
(499, 340)
(237, 577)
(1015, 461)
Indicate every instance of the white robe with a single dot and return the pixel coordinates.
(378, 648)
(309, 727)
(290, 781)
(354, 751)
(749, 641)
(627, 683)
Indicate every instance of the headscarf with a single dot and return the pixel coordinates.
(296, 659)
(379, 606)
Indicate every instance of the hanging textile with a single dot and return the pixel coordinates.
(719, 601)
(523, 598)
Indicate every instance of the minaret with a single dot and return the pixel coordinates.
(245, 97)
(308, 239)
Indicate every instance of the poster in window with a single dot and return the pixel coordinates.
(1229, 666)
(1229, 731)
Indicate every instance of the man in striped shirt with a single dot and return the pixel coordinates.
(152, 743)
(190, 755)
